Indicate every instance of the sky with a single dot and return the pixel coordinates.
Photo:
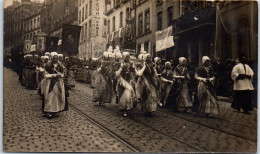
(7, 3)
(10, 2)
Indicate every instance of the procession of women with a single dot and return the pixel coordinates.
(134, 82)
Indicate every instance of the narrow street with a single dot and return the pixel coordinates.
(87, 127)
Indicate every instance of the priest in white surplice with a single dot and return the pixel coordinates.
(242, 75)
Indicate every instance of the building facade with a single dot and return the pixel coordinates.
(237, 29)
(32, 25)
(14, 21)
(132, 24)
(120, 28)
(194, 31)
(14, 26)
(60, 12)
(93, 22)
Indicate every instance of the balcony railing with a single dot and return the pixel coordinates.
(192, 20)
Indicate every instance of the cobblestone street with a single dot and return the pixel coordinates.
(81, 128)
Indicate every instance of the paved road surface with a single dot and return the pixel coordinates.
(26, 130)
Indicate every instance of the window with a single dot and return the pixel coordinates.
(138, 48)
(104, 29)
(114, 24)
(86, 15)
(38, 21)
(169, 15)
(140, 1)
(90, 7)
(90, 28)
(127, 13)
(121, 19)
(86, 30)
(140, 23)
(159, 2)
(134, 3)
(79, 17)
(159, 21)
(108, 27)
(31, 24)
(35, 25)
(117, 3)
(83, 13)
(82, 33)
(146, 46)
(147, 21)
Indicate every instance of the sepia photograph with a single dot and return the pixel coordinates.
(130, 76)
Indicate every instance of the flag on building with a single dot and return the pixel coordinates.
(164, 39)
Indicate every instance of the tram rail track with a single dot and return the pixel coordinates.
(185, 119)
(170, 136)
(207, 126)
(219, 117)
(129, 145)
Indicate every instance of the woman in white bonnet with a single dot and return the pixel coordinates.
(125, 85)
(54, 99)
(149, 86)
(181, 75)
(103, 91)
(166, 84)
(206, 93)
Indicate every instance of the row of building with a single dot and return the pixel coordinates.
(164, 28)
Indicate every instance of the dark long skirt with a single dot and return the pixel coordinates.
(242, 99)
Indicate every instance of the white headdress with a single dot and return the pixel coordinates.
(132, 57)
(117, 53)
(167, 63)
(60, 55)
(117, 49)
(146, 55)
(204, 58)
(111, 55)
(181, 59)
(141, 56)
(110, 49)
(156, 59)
(46, 57)
(125, 53)
(54, 54)
(106, 54)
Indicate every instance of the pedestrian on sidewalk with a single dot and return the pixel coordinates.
(242, 75)
(207, 97)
